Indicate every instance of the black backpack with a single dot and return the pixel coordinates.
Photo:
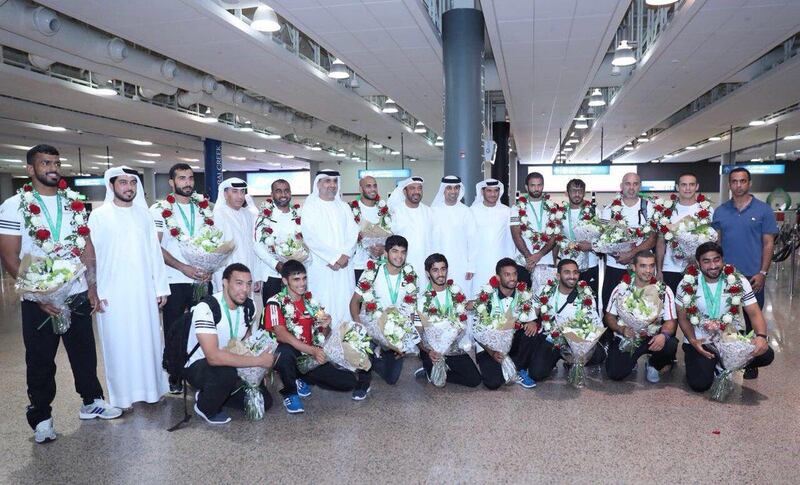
(177, 337)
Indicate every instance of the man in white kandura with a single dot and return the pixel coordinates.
(331, 235)
(132, 285)
(454, 232)
(413, 220)
(493, 237)
(235, 216)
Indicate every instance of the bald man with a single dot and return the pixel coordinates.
(637, 213)
(367, 207)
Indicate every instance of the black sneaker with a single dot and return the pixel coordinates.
(751, 373)
(175, 387)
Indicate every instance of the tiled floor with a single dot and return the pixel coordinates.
(629, 432)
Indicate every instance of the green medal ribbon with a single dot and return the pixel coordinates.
(499, 306)
(538, 218)
(392, 291)
(712, 302)
(55, 229)
(448, 302)
(189, 227)
(224, 305)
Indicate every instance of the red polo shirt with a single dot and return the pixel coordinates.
(274, 316)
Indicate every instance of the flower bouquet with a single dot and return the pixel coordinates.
(393, 330)
(348, 347)
(616, 237)
(541, 275)
(495, 332)
(440, 334)
(206, 251)
(686, 235)
(370, 233)
(638, 309)
(577, 339)
(50, 281)
(257, 343)
(588, 229)
(734, 351)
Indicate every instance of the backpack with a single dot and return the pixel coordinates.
(177, 337)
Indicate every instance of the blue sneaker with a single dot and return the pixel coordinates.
(293, 404)
(360, 394)
(219, 418)
(524, 380)
(303, 390)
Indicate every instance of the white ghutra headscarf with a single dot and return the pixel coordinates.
(235, 183)
(398, 197)
(117, 172)
(448, 180)
(482, 185)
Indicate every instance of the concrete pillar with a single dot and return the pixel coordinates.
(500, 168)
(6, 186)
(462, 44)
(149, 182)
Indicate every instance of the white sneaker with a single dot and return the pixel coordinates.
(44, 432)
(99, 409)
(651, 373)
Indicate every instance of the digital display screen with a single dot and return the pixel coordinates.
(260, 183)
(556, 181)
(88, 182)
(757, 168)
(397, 173)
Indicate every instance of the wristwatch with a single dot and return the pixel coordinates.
(761, 335)
(765, 273)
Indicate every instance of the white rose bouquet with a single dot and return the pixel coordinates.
(50, 281)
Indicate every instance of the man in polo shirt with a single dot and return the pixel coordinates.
(700, 361)
(747, 231)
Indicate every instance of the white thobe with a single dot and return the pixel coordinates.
(282, 228)
(329, 232)
(453, 234)
(415, 225)
(493, 240)
(131, 274)
(238, 226)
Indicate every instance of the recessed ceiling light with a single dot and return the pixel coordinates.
(420, 128)
(257, 150)
(10, 160)
(792, 137)
(245, 129)
(643, 138)
(660, 3)
(568, 149)
(190, 159)
(232, 157)
(147, 162)
(714, 138)
(757, 123)
(195, 167)
(283, 155)
(66, 165)
(628, 148)
(759, 159)
(779, 154)
(39, 126)
(669, 155)
(138, 142)
(273, 164)
(150, 154)
(340, 153)
(270, 136)
(394, 152)
(104, 157)
(691, 147)
(412, 159)
(204, 119)
(376, 145)
(439, 141)
(104, 91)
(581, 123)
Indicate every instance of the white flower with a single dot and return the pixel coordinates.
(410, 288)
(736, 300)
(79, 219)
(460, 308)
(387, 220)
(664, 221)
(454, 289)
(36, 221)
(694, 320)
(269, 240)
(731, 279)
(27, 196)
(559, 215)
(544, 309)
(289, 309)
(368, 275)
(80, 242)
(486, 288)
(686, 299)
(727, 318)
(47, 246)
(688, 279)
(408, 268)
(481, 308)
(668, 236)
